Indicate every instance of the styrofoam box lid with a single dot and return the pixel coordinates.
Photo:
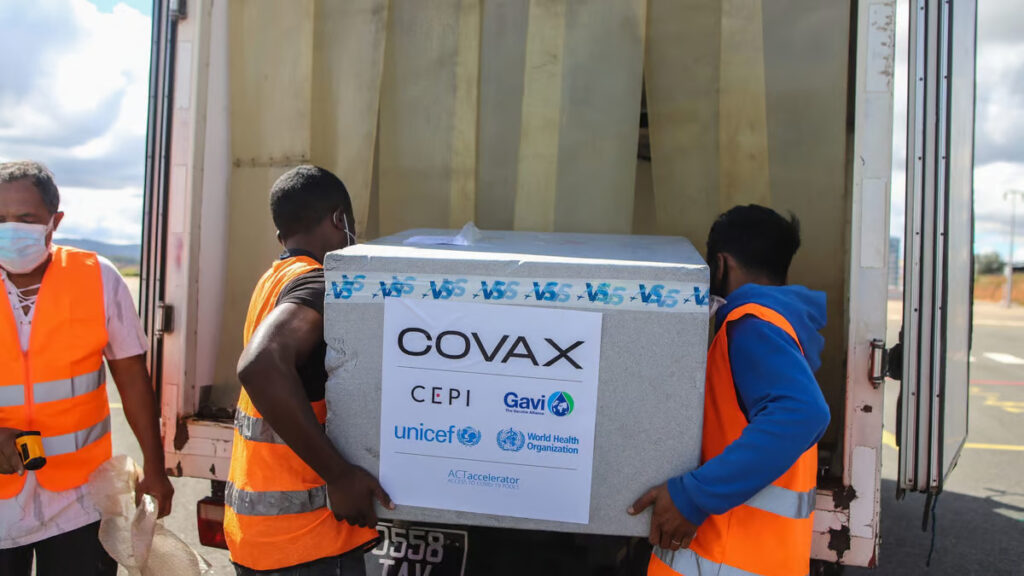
(672, 257)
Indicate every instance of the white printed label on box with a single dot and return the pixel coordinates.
(592, 293)
(489, 409)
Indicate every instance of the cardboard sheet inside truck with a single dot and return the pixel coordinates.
(484, 430)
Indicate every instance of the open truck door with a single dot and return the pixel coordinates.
(156, 317)
(184, 261)
(937, 310)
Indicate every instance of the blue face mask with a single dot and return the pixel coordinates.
(23, 246)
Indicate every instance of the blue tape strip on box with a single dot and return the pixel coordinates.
(569, 293)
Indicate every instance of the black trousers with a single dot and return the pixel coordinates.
(351, 564)
(75, 552)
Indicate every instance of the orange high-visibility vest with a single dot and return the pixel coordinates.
(276, 514)
(770, 534)
(58, 386)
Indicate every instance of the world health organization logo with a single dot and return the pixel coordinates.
(511, 440)
(469, 436)
(560, 404)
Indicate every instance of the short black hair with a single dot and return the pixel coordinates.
(759, 238)
(302, 197)
(38, 174)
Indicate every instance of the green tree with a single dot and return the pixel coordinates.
(988, 263)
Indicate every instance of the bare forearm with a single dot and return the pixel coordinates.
(145, 423)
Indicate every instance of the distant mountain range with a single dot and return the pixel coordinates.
(122, 255)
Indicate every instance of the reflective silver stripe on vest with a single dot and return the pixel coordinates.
(275, 503)
(784, 502)
(255, 429)
(12, 395)
(68, 443)
(689, 563)
(68, 387)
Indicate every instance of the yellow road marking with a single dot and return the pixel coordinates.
(979, 446)
(889, 439)
(992, 399)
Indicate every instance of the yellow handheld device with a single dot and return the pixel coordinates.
(30, 446)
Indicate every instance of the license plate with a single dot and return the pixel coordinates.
(408, 550)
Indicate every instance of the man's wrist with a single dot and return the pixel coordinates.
(338, 469)
(154, 462)
(684, 503)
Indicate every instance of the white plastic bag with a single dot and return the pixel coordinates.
(132, 535)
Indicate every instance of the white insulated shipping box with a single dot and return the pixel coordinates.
(515, 379)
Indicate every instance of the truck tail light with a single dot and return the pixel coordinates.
(210, 521)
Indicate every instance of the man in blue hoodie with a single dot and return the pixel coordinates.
(748, 508)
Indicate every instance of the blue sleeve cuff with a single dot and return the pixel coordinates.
(684, 503)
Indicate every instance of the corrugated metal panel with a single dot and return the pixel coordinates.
(526, 114)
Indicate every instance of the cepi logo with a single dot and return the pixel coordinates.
(558, 403)
(511, 440)
(561, 404)
(469, 436)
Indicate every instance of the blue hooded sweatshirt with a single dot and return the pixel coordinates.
(776, 389)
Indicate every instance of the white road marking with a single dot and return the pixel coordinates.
(1003, 358)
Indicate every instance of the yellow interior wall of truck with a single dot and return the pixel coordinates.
(524, 114)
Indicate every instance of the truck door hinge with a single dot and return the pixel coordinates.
(179, 9)
(879, 359)
(164, 319)
(894, 362)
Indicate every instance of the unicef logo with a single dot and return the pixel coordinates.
(560, 404)
(469, 436)
(511, 440)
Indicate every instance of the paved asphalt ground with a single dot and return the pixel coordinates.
(980, 515)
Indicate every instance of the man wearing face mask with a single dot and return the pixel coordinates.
(748, 508)
(66, 311)
(294, 504)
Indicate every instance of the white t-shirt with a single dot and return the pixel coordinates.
(36, 513)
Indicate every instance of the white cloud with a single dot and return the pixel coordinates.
(992, 209)
(999, 124)
(111, 216)
(999, 148)
(74, 96)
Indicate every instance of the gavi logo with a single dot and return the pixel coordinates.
(558, 403)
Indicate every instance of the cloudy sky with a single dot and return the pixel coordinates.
(73, 94)
(999, 125)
